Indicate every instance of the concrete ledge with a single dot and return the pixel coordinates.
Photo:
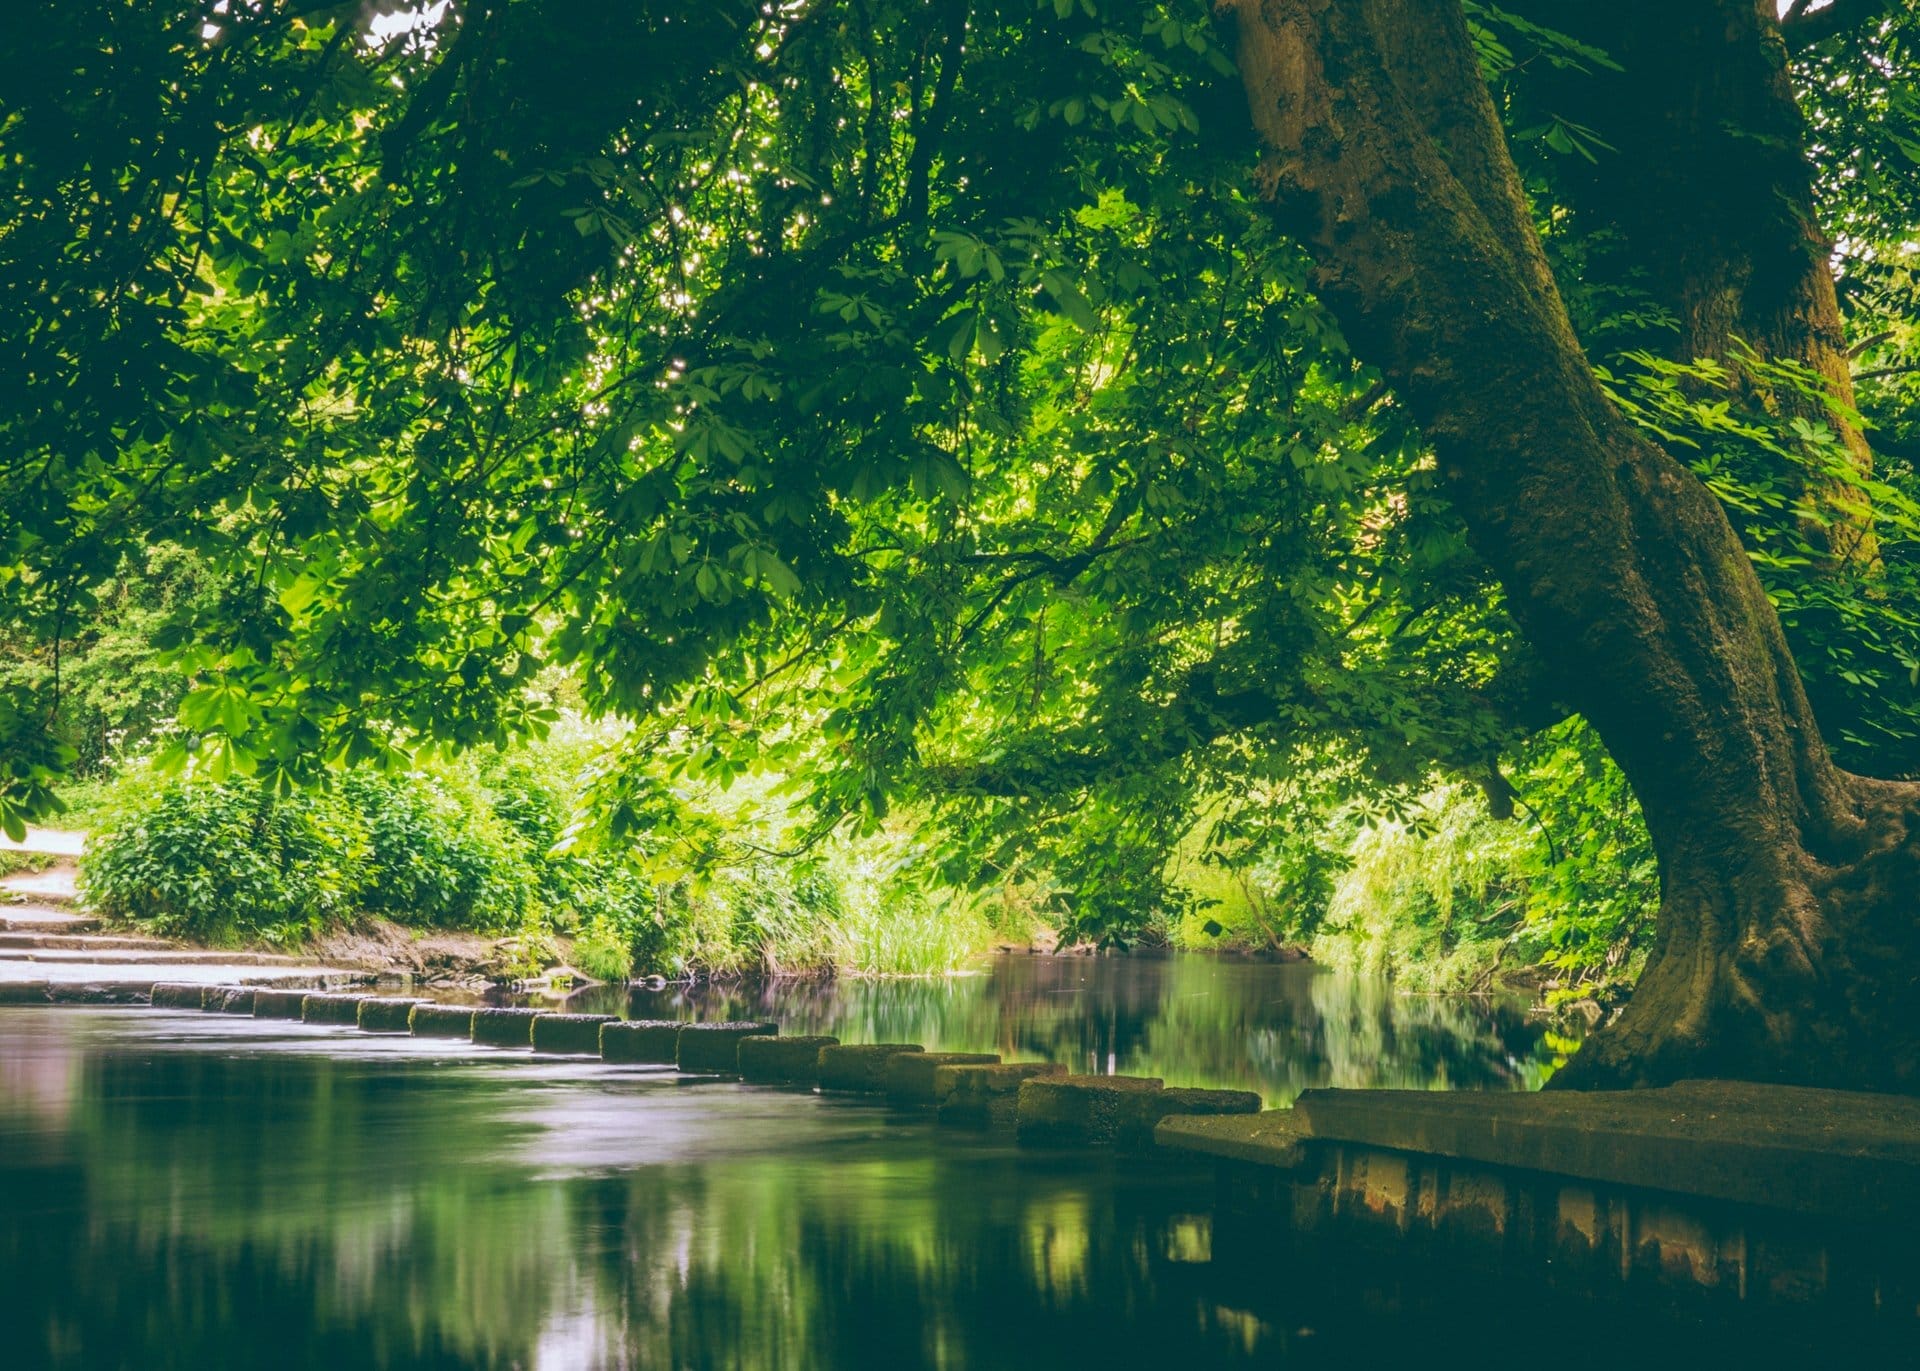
(1275, 1138)
(332, 1009)
(977, 1095)
(1076, 1109)
(228, 999)
(278, 1004)
(1140, 1113)
(504, 1027)
(641, 1042)
(1830, 1152)
(386, 1015)
(716, 1046)
(860, 1067)
(910, 1076)
(176, 995)
(783, 1061)
(441, 1021)
(25, 992)
(574, 1033)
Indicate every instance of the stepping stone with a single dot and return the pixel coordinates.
(716, 1046)
(641, 1042)
(441, 1021)
(1141, 1113)
(910, 1076)
(860, 1067)
(25, 992)
(279, 1004)
(504, 1027)
(174, 995)
(1076, 1109)
(334, 1009)
(227, 999)
(385, 1014)
(782, 1061)
(98, 992)
(574, 1033)
(985, 1094)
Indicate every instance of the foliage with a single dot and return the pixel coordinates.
(224, 862)
(914, 424)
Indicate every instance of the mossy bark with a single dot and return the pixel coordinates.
(1787, 946)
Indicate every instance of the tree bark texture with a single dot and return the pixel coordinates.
(1787, 947)
(1707, 189)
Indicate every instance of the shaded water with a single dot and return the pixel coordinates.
(192, 1190)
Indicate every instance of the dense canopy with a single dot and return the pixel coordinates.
(922, 401)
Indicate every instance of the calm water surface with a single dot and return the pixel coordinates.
(188, 1190)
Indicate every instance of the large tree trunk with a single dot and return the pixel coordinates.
(1707, 197)
(1788, 948)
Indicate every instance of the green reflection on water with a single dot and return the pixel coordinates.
(190, 1190)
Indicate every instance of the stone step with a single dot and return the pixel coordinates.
(114, 943)
(146, 957)
(39, 919)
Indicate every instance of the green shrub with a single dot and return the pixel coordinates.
(436, 858)
(219, 862)
(602, 950)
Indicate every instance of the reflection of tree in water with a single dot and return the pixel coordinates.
(1192, 1020)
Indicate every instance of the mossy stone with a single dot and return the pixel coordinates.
(382, 1015)
(783, 1061)
(332, 1009)
(575, 1033)
(1076, 1110)
(504, 1027)
(279, 1004)
(860, 1067)
(177, 995)
(228, 999)
(1142, 1112)
(441, 1021)
(977, 1095)
(911, 1076)
(25, 992)
(641, 1042)
(716, 1046)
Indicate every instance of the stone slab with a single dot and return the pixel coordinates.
(1275, 1138)
(1076, 1110)
(783, 1061)
(385, 1014)
(35, 920)
(278, 1004)
(1141, 1113)
(985, 1094)
(14, 942)
(578, 1034)
(227, 999)
(441, 1021)
(504, 1027)
(25, 992)
(641, 1042)
(332, 1009)
(176, 995)
(716, 1046)
(910, 1076)
(1830, 1152)
(860, 1067)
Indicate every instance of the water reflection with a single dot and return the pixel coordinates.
(193, 1190)
(1190, 1019)
(203, 1204)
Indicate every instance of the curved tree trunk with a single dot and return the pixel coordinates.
(1788, 947)
(1707, 192)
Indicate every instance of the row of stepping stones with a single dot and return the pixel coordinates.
(1044, 1104)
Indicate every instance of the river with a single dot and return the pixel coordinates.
(201, 1191)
